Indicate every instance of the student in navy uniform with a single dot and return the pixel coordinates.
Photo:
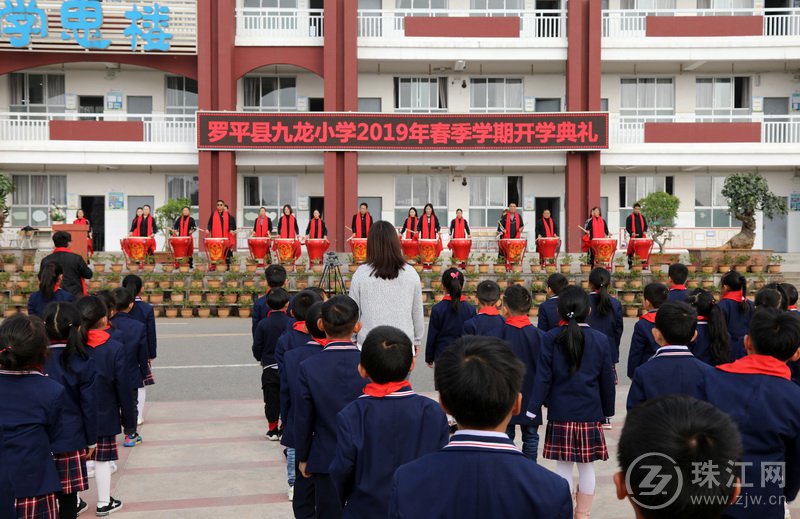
(488, 321)
(327, 382)
(768, 298)
(275, 276)
(734, 304)
(50, 278)
(265, 338)
(672, 426)
(673, 369)
(69, 364)
(643, 344)
(7, 508)
(606, 311)
(575, 378)
(757, 392)
(791, 306)
(143, 312)
(365, 462)
(548, 311)
(31, 414)
(713, 342)
(296, 333)
(480, 473)
(116, 404)
(678, 273)
(526, 341)
(447, 316)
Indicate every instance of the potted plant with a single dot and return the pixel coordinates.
(177, 296)
(566, 263)
(584, 262)
(748, 193)
(619, 264)
(244, 311)
(232, 280)
(692, 283)
(183, 265)
(235, 265)
(214, 282)
(706, 280)
(200, 264)
(300, 265)
(483, 264)
(691, 267)
(535, 263)
(469, 266)
(660, 209)
(9, 262)
(707, 265)
(164, 282)
(223, 311)
(221, 266)
(740, 263)
(635, 282)
(774, 263)
(149, 263)
(757, 264)
(230, 296)
(631, 310)
(537, 285)
(246, 297)
(212, 298)
(195, 296)
(179, 283)
(628, 296)
(619, 279)
(116, 264)
(203, 311)
(437, 265)
(637, 264)
(171, 311)
(540, 297)
(725, 264)
(156, 296)
(499, 265)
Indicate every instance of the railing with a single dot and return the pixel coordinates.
(629, 23)
(158, 128)
(280, 26)
(775, 129)
(383, 24)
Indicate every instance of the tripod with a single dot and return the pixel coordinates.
(331, 280)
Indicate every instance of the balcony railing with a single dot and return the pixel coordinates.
(632, 24)
(775, 129)
(280, 26)
(158, 128)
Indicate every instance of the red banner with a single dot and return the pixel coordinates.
(401, 132)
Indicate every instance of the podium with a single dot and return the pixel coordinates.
(80, 237)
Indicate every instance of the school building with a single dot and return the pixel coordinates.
(98, 102)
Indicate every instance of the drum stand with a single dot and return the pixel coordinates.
(331, 279)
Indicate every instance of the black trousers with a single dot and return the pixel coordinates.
(271, 387)
(67, 506)
(326, 498)
(303, 503)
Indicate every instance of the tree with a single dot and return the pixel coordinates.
(660, 209)
(6, 188)
(167, 214)
(746, 194)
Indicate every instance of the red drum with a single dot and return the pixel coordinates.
(410, 248)
(513, 249)
(604, 249)
(429, 250)
(359, 248)
(316, 249)
(641, 247)
(288, 249)
(259, 248)
(548, 249)
(460, 248)
(136, 248)
(216, 248)
(182, 246)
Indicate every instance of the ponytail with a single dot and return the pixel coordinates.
(48, 278)
(453, 281)
(737, 282)
(718, 336)
(23, 343)
(63, 323)
(599, 279)
(573, 306)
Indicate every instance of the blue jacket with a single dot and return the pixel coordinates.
(375, 436)
(290, 389)
(115, 403)
(738, 321)
(261, 310)
(526, 342)
(680, 295)
(37, 302)
(585, 396)
(143, 312)
(445, 327)
(478, 475)
(672, 370)
(485, 325)
(290, 339)
(766, 407)
(643, 344)
(701, 347)
(266, 335)
(132, 334)
(79, 417)
(548, 315)
(32, 421)
(328, 382)
(7, 504)
(611, 325)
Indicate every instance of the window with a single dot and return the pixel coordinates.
(723, 98)
(34, 196)
(37, 93)
(497, 7)
(181, 95)
(543, 104)
(421, 5)
(710, 207)
(495, 95)
(270, 191)
(418, 190)
(183, 186)
(634, 188)
(604, 104)
(270, 94)
(719, 7)
(646, 5)
(487, 199)
(647, 97)
(270, 3)
(369, 104)
(420, 94)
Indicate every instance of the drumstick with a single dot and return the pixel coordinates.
(349, 229)
(581, 228)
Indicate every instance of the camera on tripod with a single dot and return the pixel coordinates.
(331, 259)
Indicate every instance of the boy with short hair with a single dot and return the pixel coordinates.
(276, 278)
(673, 369)
(548, 311)
(296, 334)
(487, 321)
(643, 343)
(327, 383)
(673, 435)
(365, 461)
(757, 392)
(480, 473)
(678, 273)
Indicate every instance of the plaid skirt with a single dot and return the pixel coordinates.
(41, 507)
(579, 442)
(149, 380)
(106, 449)
(71, 468)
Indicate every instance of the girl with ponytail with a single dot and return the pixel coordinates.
(713, 343)
(606, 311)
(49, 290)
(447, 316)
(69, 365)
(735, 306)
(574, 376)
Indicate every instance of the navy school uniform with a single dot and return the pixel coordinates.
(548, 315)
(115, 402)
(132, 334)
(738, 322)
(260, 310)
(266, 335)
(7, 504)
(672, 370)
(143, 312)
(375, 435)
(295, 335)
(37, 302)
(678, 294)
(446, 326)
(31, 411)
(479, 474)
(701, 346)
(610, 325)
(487, 323)
(643, 344)
(757, 393)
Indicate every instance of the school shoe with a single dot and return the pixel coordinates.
(112, 506)
(82, 506)
(132, 440)
(139, 421)
(273, 435)
(290, 493)
(607, 423)
(113, 466)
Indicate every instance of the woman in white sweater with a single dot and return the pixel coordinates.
(386, 288)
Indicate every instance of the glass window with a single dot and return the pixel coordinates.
(270, 191)
(487, 199)
(37, 92)
(420, 94)
(722, 98)
(495, 95)
(270, 3)
(34, 196)
(369, 104)
(270, 93)
(634, 188)
(418, 190)
(711, 208)
(181, 95)
(647, 98)
(184, 186)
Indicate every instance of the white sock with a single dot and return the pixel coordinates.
(89, 465)
(586, 478)
(564, 469)
(140, 406)
(102, 478)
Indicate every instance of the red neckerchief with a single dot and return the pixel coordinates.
(287, 226)
(381, 390)
(324, 342)
(411, 226)
(220, 224)
(448, 298)
(756, 364)
(598, 227)
(702, 318)
(275, 311)
(734, 296)
(633, 224)
(507, 232)
(678, 287)
(183, 226)
(458, 228)
(262, 226)
(95, 338)
(137, 226)
(792, 308)
(518, 321)
(428, 227)
(300, 326)
(316, 229)
(363, 233)
(549, 227)
(81, 221)
(489, 310)
(650, 316)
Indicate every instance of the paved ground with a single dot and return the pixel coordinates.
(204, 454)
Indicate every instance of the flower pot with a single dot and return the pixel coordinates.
(540, 298)
(758, 285)
(235, 267)
(636, 283)
(707, 269)
(9, 312)
(535, 268)
(17, 299)
(619, 285)
(692, 284)
(201, 267)
(230, 299)
(756, 269)
(196, 283)
(9, 267)
(223, 311)
(99, 267)
(565, 268)
(177, 297)
(195, 297)
(483, 268)
(116, 268)
(706, 283)
(637, 268)
(436, 268)
(165, 285)
(619, 268)
(691, 268)
(231, 284)
(631, 311)
(550, 269)
(203, 312)
(156, 299)
(178, 285)
(214, 284)
(244, 311)
(773, 269)
(183, 269)
(167, 268)
(470, 268)
(740, 268)
(245, 299)
(171, 312)
(585, 269)
(629, 297)
(149, 267)
(222, 267)
(149, 285)
(516, 267)
(722, 269)
(585, 284)
(248, 283)
(417, 266)
(316, 268)
(133, 267)
(212, 298)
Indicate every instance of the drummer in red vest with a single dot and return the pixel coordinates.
(595, 227)
(136, 223)
(80, 219)
(221, 224)
(288, 228)
(636, 226)
(428, 226)
(510, 226)
(545, 227)
(262, 228)
(145, 225)
(316, 230)
(362, 221)
(410, 225)
(184, 226)
(459, 227)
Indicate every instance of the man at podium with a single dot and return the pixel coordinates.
(74, 268)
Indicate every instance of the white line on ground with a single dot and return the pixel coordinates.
(192, 335)
(209, 366)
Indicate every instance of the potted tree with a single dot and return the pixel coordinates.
(748, 193)
(660, 209)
